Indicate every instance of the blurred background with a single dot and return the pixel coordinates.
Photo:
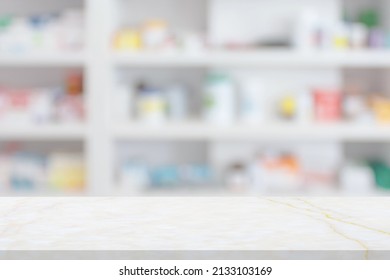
(195, 97)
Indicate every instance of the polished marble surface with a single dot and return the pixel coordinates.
(361, 224)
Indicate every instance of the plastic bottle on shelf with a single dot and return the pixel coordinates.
(134, 176)
(177, 98)
(307, 28)
(252, 94)
(20, 36)
(340, 36)
(358, 35)
(237, 178)
(355, 106)
(37, 26)
(155, 34)
(357, 179)
(42, 106)
(377, 39)
(305, 102)
(52, 33)
(193, 42)
(5, 23)
(72, 29)
(151, 104)
(288, 106)
(382, 174)
(219, 99)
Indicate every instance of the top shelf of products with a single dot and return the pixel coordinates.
(42, 38)
(306, 34)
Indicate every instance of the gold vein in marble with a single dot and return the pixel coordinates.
(329, 216)
(331, 226)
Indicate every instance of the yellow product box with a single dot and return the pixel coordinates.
(66, 172)
(381, 108)
(128, 39)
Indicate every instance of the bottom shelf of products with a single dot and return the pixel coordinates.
(251, 168)
(42, 168)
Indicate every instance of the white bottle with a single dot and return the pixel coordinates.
(306, 30)
(251, 103)
(177, 98)
(151, 105)
(41, 109)
(219, 99)
(341, 36)
(155, 34)
(305, 112)
(134, 177)
(357, 180)
(20, 34)
(358, 35)
(72, 29)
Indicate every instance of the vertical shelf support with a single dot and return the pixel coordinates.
(98, 84)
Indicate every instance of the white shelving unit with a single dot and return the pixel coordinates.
(268, 131)
(101, 66)
(43, 60)
(279, 58)
(44, 132)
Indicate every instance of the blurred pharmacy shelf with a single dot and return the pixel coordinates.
(42, 132)
(104, 68)
(280, 58)
(269, 131)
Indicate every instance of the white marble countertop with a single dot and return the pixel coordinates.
(360, 224)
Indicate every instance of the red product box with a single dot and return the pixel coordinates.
(18, 99)
(327, 105)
